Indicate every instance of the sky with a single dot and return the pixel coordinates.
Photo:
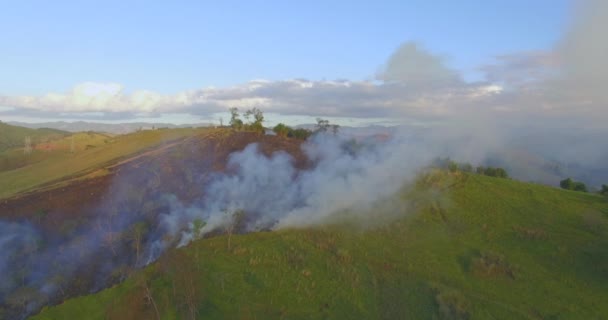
(187, 61)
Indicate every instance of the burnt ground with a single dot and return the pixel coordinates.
(86, 226)
(180, 169)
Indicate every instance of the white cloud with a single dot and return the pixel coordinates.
(557, 85)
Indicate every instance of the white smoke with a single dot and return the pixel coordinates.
(345, 176)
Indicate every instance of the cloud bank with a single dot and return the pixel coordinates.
(565, 83)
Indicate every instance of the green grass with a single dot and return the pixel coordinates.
(14, 136)
(50, 167)
(53, 148)
(483, 248)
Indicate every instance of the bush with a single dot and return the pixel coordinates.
(466, 167)
(281, 130)
(570, 184)
(567, 184)
(302, 134)
(492, 172)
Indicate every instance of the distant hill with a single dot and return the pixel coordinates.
(12, 136)
(115, 128)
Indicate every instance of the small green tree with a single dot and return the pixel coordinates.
(234, 219)
(579, 186)
(567, 184)
(300, 133)
(258, 119)
(604, 190)
(500, 173)
(281, 130)
(570, 184)
(235, 121)
(466, 167)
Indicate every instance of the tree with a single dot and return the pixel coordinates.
(322, 125)
(501, 173)
(143, 282)
(299, 133)
(466, 167)
(258, 116)
(579, 186)
(570, 184)
(234, 218)
(335, 128)
(138, 232)
(281, 130)
(258, 119)
(604, 190)
(567, 184)
(235, 121)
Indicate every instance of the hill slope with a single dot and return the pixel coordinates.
(14, 136)
(483, 248)
(92, 152)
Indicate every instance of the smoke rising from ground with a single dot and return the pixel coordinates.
(344, 176)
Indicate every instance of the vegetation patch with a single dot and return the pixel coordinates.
(451, 303)
(530, 233)
(492, 265)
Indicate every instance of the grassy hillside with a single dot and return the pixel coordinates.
(92, 151)
(482, 248)
(14, 136)
(53, 148)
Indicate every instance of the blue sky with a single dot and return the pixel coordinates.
(50, 46)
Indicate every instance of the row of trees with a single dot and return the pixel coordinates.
(322, 125)
(254, 118)
(570, 184)
(283, 130)
(573, 185)
(453, 166)
(492, 172)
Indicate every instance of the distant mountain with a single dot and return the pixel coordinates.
(115, 128)
(12, 136)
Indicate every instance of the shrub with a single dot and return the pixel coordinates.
(570, 184)
(466, 167)
(281, 130)
(451, 303)
(302, 134)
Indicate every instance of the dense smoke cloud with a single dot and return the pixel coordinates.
(413, 66)
(346, 176)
